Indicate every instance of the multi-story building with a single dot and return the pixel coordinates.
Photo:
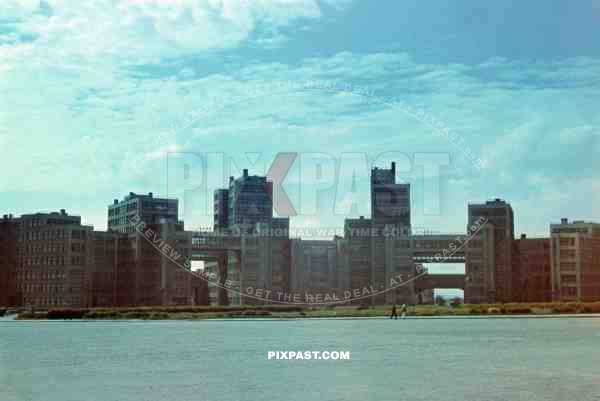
(128, 269)
(378, 258)
(263, 263)
(221, 209)
(342, 265)
(356, 250)
(390, 202)
(176, 279)
(52, 259)
(575, 261)
(377, 250)
(9, 296)
(245, 211)
(391, 253)
(125, 268)
(154, 274)
(142, 226)
(489, 263)
(100, 279)
(480, 262)
(314, 268)
(279, 244)
(531, 271)
(250, 200)
(149, 209)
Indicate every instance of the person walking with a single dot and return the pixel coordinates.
(403, 311)
(394, 315)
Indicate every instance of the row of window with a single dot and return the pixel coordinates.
(43, 235)
(41, 275)
(52, 247)
(53, 234)
(48, 222)
(37, 288)
(53, 301)
(79, 248)
(567, 242)
(51, 261)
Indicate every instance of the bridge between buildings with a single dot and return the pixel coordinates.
(434, 249)
(441, 248)
(446, 248)
(440, 281)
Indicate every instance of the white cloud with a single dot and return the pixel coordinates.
(75, 81)
(76, 31)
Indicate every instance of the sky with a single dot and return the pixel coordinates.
(86, 87)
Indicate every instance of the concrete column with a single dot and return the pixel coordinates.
(222, 293)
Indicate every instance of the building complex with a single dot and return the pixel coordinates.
(144, 257)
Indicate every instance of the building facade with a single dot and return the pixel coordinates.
(262, 265)
(141, 227)
(249, 200)
(532, 271)
(9, 296)
(390, 202)
(575, 261)
(221, 209)
(53, 257)
(144, 258)
(356, 250)
(376, 252)
(149, 209)
(313, 268)
(489, 261)
(100, 280)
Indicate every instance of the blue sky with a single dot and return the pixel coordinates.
(86, 86)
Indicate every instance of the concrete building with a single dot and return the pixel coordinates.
(480, 262)
(155, 274)
(127, 269)
(342, 265)
(144, 273)
(264, 264)
(261, 258)
(377, 250)
(9, 296)
(391, 252)
(150, 210)
(52, 259)
(531, 271)
(100, 279)
(376, 260)
(390, 202)
(279, 243)
(489, 261)
(575, 261)
(221, 209)
(356, 250)
(314, 268)
(249, 200)
(175, 279)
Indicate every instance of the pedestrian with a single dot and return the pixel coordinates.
(394, 315)
(403, 311)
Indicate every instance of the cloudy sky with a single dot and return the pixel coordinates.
(87, 86)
